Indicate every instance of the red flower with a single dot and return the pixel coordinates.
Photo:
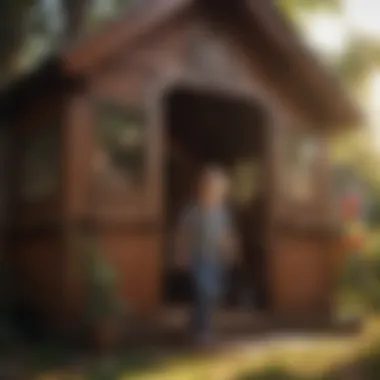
(351, 207)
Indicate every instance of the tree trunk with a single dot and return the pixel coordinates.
(12, 33)
(75, 12)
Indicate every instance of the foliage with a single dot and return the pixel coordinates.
(295, 8)
(279, 373)
(13, 29)
(362, 54)
(355, 65)
(360, 59)
(361, 280)
(309, 5)
(31, 29)
(103, 301)
(357, 151)
(370, 362)
(374, 212)
(9, 337)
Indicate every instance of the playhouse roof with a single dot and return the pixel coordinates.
(257, 23)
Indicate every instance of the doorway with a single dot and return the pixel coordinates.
(206, 127)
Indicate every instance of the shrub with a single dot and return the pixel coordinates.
(105, 308)
(361, 280)
(279, 373)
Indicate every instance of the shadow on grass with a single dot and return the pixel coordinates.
(279, 373)
(127, 365)
(369, 363)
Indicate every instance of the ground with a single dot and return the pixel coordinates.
(274, 357)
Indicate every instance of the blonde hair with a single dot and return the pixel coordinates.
(214, 173)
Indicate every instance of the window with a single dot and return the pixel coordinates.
(41, 164)
(301, 154)
(120, 153)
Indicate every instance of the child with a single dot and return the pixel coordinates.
(205, 244)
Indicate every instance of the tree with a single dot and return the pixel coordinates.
(14, 18)
(360, 59)
(362, 55)
(295, 8)
(75, 12)
(31, 29)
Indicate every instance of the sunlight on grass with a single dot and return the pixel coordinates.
(373, 246)
(299, 356)
(308, 357)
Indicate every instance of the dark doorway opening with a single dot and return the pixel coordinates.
(207, 127)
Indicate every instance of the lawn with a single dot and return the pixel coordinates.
(277, 357)
(309, 357)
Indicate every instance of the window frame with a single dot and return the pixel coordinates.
(139, 201)
(295, 140)
(34, 135)
(134, 114)
(25, 212)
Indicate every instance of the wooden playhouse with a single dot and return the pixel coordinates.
(107, 137)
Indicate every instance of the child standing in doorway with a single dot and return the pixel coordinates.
(206, 246)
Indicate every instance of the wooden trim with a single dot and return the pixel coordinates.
(121, 33)
(143, 200)
(51, 206)
(260, 21)
(307, 228)
(219, 90)
(327, 86)
(87, 223)
(277, 70)
(35, 230)
(128, 227)
(142, 114)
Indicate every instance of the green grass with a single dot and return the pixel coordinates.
(318, 359)
(314, 360)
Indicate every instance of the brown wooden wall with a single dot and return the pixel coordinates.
(34, 255)
(140, 77)
(36, 268)
(303, 274)
(130, 227)
(137, 259)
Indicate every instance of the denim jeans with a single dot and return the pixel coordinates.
(202, 313)
(208, 289)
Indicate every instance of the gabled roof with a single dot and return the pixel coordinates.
(267, 38)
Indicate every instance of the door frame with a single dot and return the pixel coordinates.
(164, 87)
